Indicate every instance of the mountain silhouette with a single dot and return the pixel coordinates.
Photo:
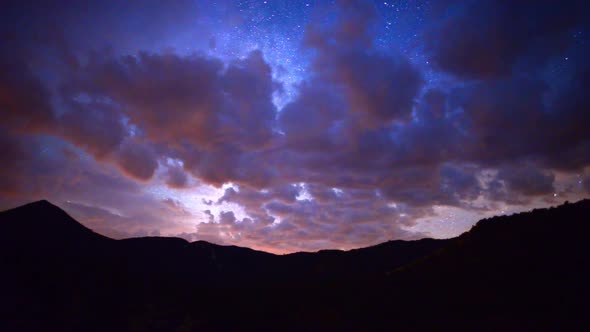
(525, 272)
(43, 223)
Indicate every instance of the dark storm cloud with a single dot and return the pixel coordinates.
(93, 126)
(510, 119)
(206, 114)
(197, 108)
(24, 100)
(380, 88)
(437, 135)
(488, 39)
(26, 107)
(137, 160)
(445, 184)
(460, 182)
(492, 122)
(513, 107)
(227, 218)
(206, 104)
(520, 184)
(100, 131)
(527, 180)
(176, 177)
(316, 121)
(569, 137)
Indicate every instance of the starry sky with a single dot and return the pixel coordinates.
(294, 125)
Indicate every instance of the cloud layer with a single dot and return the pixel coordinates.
(365, 149)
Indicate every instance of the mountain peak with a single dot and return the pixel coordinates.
(43, 209)
(44, 222)
(43, 203)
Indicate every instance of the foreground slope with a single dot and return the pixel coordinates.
(523, 272)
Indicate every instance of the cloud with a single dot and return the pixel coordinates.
(513, 107)
(137, 160)
(227, 218)
(209, 116)
(527, 180)
(206, 104)
(380, 88)
(491, 38)
(327, 218)
(92, 125)
(177, 207)
(316, 120)
(210, 216)
(370, 143)
(530, 126)
(176, 177)
(24, 100)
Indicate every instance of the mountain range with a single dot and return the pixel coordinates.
(524, 272)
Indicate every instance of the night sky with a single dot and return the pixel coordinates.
(294, 125)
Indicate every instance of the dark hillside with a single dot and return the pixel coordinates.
(525, 272)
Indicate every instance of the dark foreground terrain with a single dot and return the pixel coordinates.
(525, 272)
